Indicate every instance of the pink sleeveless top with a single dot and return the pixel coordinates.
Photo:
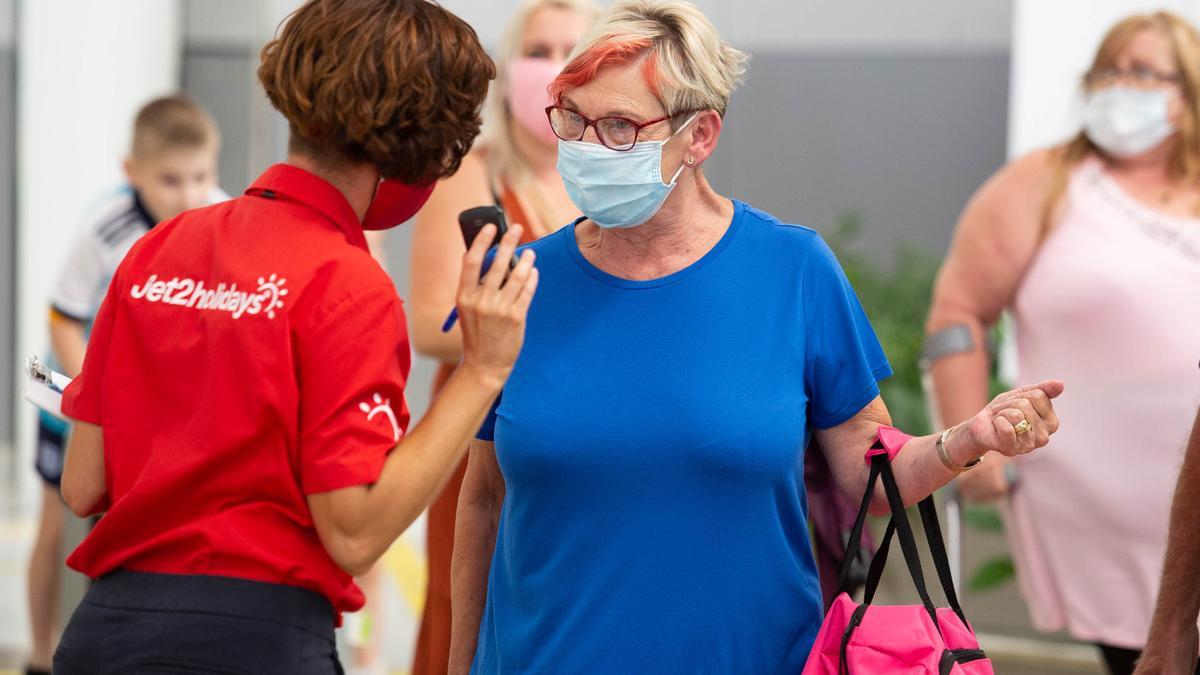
(1110, 305)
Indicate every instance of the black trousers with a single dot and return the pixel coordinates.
(1120, 661)
(134, 622)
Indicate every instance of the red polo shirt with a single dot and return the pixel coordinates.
(248, 354)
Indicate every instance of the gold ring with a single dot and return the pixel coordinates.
(1022, 426)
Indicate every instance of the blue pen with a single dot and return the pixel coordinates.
(452, 318)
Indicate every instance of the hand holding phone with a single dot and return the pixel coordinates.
(493, 304)
(472, 221)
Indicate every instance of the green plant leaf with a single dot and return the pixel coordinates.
(895, 295)
(992, 573)
(983, 518)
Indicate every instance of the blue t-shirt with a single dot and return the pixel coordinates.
(651, 439)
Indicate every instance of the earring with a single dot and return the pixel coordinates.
(691, 160)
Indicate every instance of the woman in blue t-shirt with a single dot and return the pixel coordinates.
(635, 502)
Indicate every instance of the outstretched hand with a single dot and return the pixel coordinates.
(1018, 421)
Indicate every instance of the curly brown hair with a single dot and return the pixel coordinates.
(395, 83)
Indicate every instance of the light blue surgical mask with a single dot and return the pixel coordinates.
(615, 188)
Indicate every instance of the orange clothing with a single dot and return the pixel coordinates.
(433, 640)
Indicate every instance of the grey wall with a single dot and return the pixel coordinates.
(8, 214)
(8, 20)
(220, 78)
(222, 39)
(902, 139)
(816, 25)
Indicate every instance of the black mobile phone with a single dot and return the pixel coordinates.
(472, 221)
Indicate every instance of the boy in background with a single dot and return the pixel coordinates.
(172, 167)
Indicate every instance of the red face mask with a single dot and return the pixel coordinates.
(394, 203)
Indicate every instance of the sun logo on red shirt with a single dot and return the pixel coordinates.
(271, 290)
(382, 405)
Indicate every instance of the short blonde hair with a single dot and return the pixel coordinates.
(173, 123)
(686, 63)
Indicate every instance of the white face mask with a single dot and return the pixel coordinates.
(1126, 122)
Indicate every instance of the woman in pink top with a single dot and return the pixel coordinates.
(1094, 247)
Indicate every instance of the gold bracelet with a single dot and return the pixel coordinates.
(945, 456)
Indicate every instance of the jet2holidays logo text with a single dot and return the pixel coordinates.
(223, 297)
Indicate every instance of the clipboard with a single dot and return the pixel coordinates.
(44, 387)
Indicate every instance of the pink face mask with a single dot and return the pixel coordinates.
(528, 81)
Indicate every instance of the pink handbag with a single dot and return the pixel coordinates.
(866, 639)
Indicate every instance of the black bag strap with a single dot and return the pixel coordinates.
(941, 561)
(858, 570)
(933, 534)
(943, 573)
(875, 574)
(908, 543)
(855, 542)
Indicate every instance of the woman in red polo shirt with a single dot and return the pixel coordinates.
(240, 414)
